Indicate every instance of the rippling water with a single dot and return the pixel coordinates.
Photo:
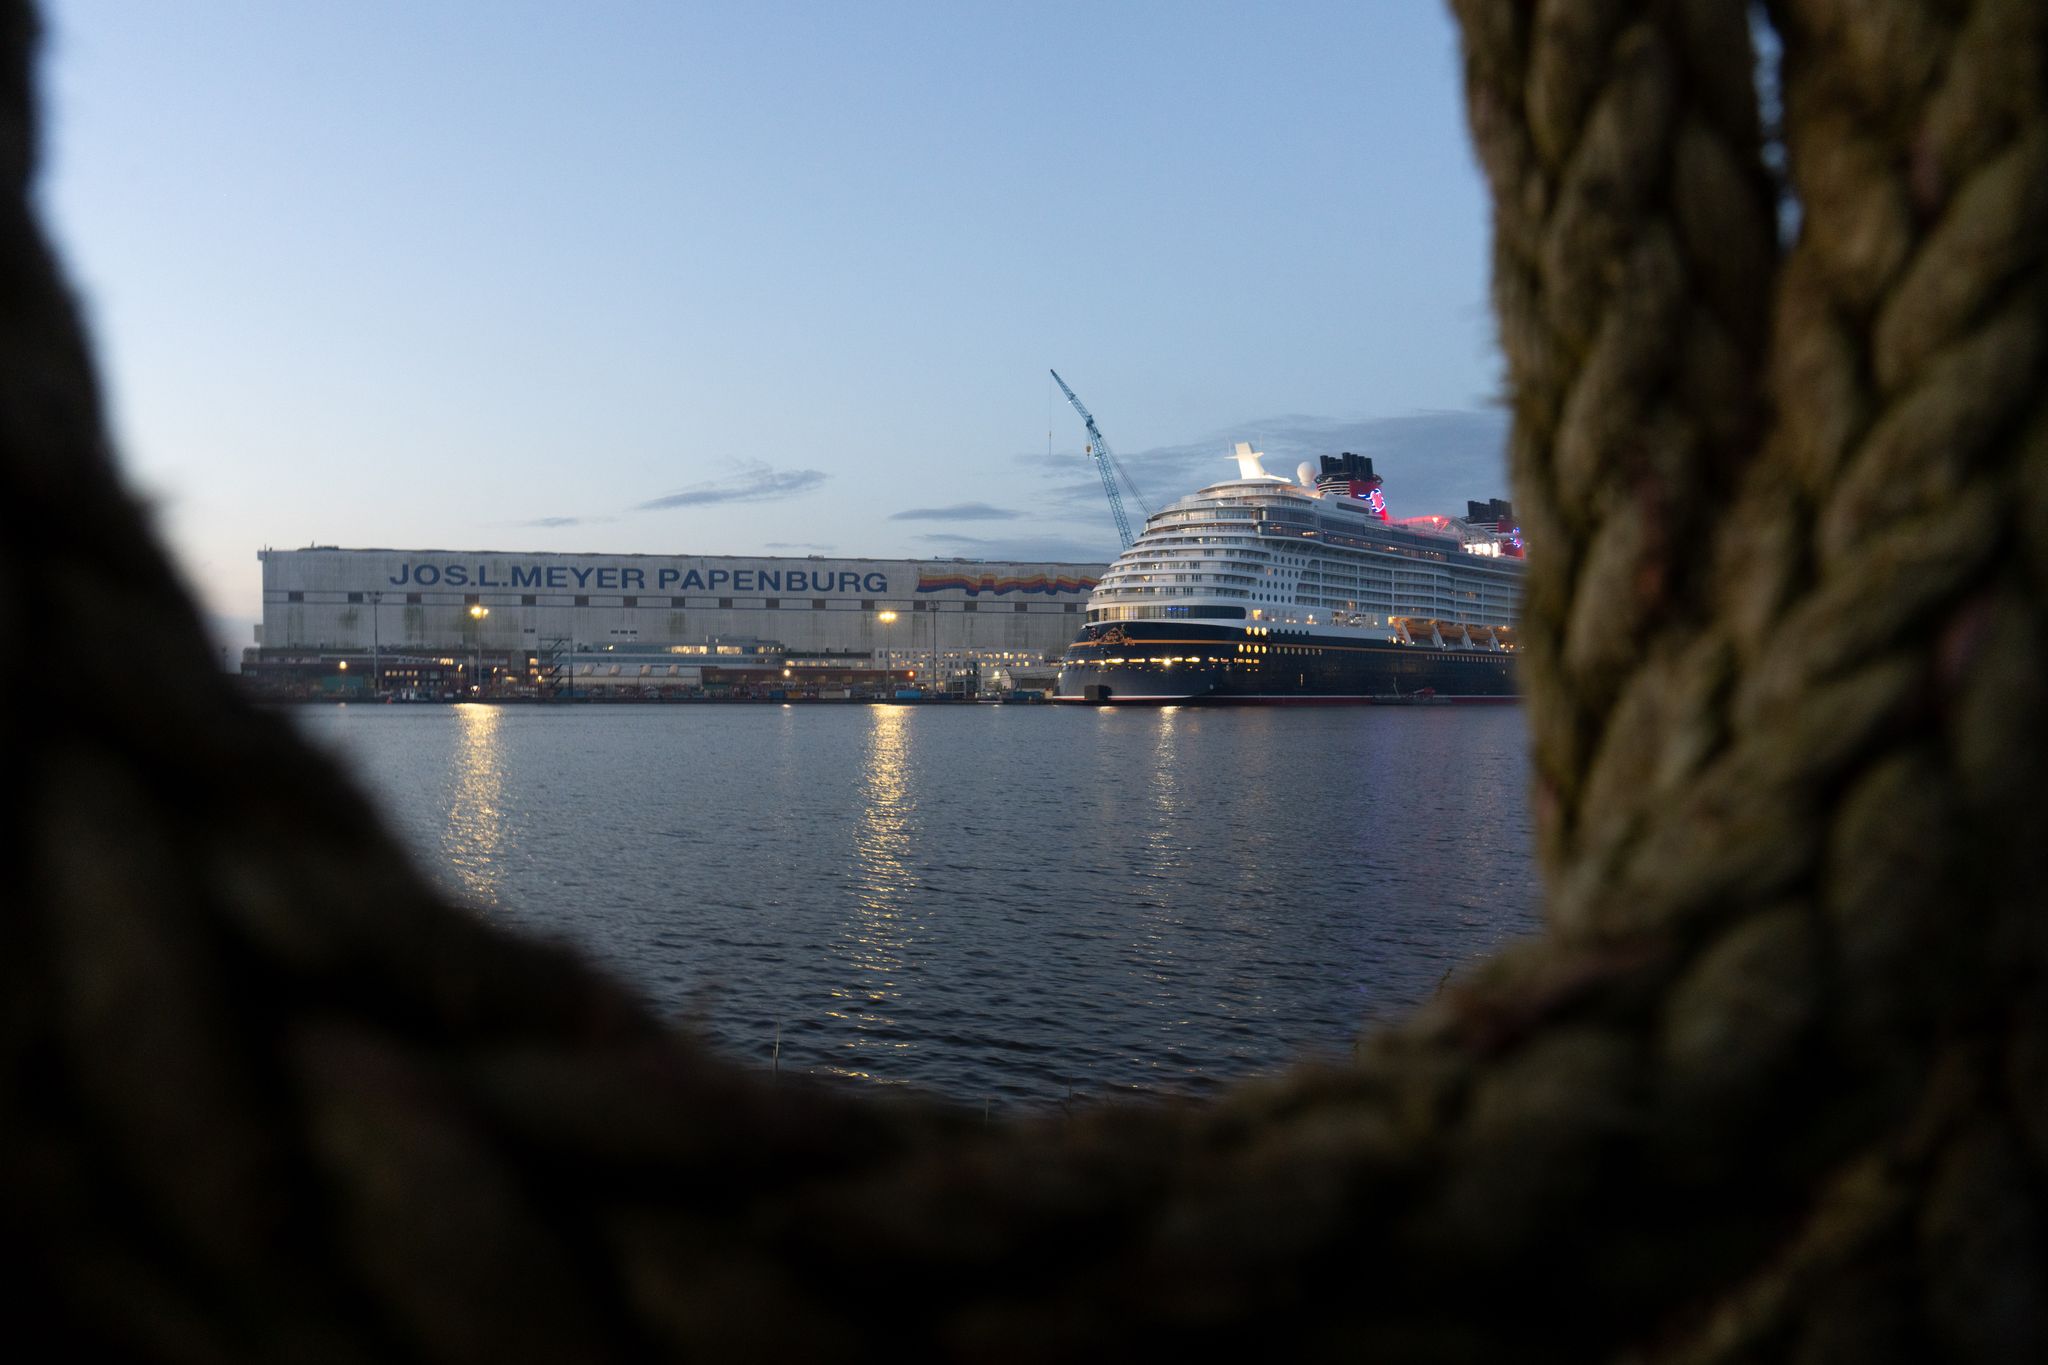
(998, 903)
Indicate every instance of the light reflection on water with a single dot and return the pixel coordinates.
(985, 901)
(884, 924)
(474, 837)
(1153, 948)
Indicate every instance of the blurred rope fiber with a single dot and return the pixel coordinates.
(1774, 1087)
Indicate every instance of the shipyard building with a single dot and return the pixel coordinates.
(513, 620)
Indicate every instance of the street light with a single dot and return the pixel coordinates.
(888, 618)
(477, 612)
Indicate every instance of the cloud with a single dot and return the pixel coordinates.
(1026, 549)
(756, 483)
(552, 523)
(959, 511)
(794, 545)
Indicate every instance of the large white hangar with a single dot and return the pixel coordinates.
(326, 598)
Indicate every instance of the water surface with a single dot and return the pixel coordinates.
(998, 903)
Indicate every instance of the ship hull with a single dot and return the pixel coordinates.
(1178, 663)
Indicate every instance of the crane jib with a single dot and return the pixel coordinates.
(1099, 451)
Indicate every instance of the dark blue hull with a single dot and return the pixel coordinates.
(1163, 662)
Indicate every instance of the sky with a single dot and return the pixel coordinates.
(760, 278)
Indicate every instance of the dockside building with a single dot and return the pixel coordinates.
(512, 608)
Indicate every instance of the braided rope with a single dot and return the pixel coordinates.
(1634, 245)
(1773, 1087)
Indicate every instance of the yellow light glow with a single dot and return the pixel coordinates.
(478, 610)
(344, 665)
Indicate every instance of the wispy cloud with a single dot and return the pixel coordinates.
(553, 523)
(959, 511)
(756, 483)
(810, 545)
(1024, 549)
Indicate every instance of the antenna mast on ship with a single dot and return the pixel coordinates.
(1105, 461)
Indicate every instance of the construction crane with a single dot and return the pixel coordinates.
(1105, 462)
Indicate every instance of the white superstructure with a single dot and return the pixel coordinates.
(1289, 555)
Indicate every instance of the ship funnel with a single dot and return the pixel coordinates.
(1248, 462)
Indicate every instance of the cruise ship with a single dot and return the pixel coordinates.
(1266, 590)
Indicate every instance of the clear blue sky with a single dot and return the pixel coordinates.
(503, 275)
